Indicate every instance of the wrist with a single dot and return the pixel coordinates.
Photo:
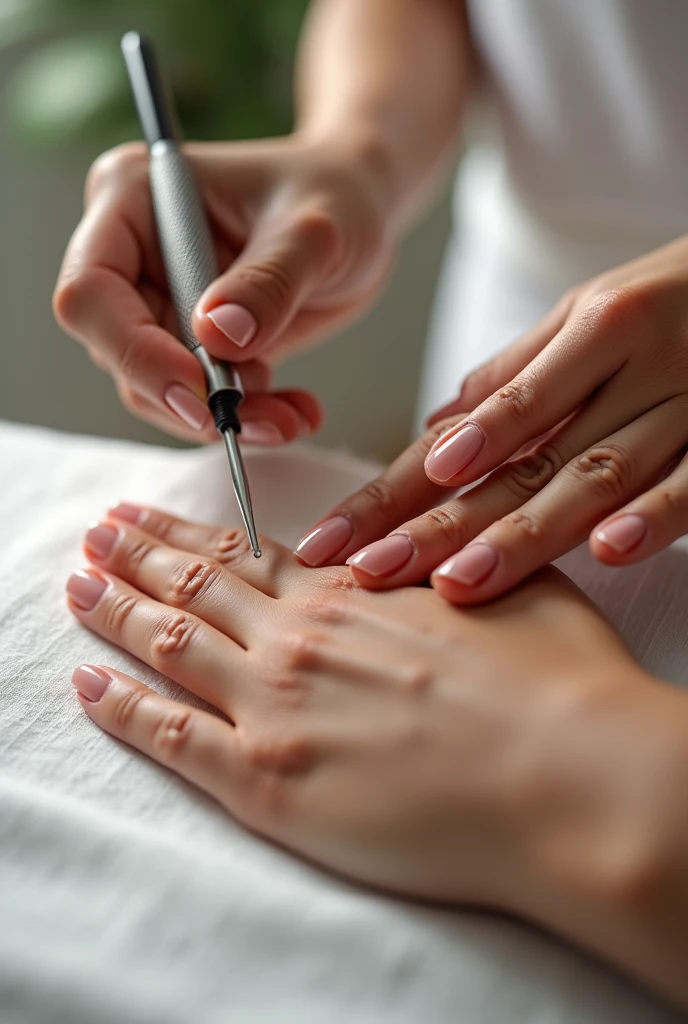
(605, 842)
(359, 149)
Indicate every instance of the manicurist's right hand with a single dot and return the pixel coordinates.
(303, 243)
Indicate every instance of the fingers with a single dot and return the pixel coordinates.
(648, 524)
(561, 514)
(197, 584)
(172, 641)
(402, 491)
(196, 745)
(251, 304)
(586, 353)
(491, 376)
(273, 574)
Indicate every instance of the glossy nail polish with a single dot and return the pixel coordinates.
(91, 682)
(85, 589)
(624, 533)
(384, 557)
(454, 454)
(325, 541)
(471, 565)
(187, 406)
(235, 322)
(100, 539)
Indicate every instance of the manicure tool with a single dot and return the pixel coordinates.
(187, 249)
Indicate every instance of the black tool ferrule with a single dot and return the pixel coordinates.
(224, 406)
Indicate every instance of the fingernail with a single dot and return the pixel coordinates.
(129, 513)
(623, 533)
(472, 565)
(235, 322)
(91, 682)
(100, 539)
(455, 453)
(325, 541)
(187, 406)
(85, 589)
(261, 433)
(384, 557)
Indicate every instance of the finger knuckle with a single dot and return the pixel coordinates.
(324, 607)
(273, 279)
(171, 735)
(120, 609)
(609, 312)
(382, 495)
(526, 528)
(449, 521)
(75, 291)
(297, 650)
(172, 636)
(317, 231)
(137, 551)
(231, 547)
(528, 474)
(607, 470)
(517, 400)
(125, 709)
(669, 504)
(115, 165)
(271, 766)
(192, 581)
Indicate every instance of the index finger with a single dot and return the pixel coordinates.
(551, 387)
(402, 492)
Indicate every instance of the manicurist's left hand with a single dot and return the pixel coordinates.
(512, 755)
(582, 425)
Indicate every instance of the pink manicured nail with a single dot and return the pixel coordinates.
(623, 533)
(187, 406)
(235, 322)
(455, 453)
(325, 541)
(472, 565)
(85, 589)
(261, 433)
(91, 682)
(100, 539)
(129, 513)
(384, 557)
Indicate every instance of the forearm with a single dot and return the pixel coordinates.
(609, 865)
(392, 75)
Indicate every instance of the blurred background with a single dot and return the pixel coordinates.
(64, 98)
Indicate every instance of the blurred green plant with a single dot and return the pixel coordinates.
(229, 63)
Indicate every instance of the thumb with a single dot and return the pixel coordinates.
(248, 307)
(497, 372)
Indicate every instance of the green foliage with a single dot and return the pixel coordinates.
(229, 63)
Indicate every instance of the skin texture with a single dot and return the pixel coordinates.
(483, 755)
(581, 426)
(306, 226)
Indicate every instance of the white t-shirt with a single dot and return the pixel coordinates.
(577, 161)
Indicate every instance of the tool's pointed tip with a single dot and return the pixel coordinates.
(257, 553)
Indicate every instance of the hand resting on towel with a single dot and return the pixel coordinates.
(511, 755)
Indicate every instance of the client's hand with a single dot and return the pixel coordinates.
(512, 755)
(389, 736)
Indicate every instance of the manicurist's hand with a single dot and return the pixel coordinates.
(512, 755)
(582, 426)
(302, 242)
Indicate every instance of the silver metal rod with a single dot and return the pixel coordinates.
(236, 465)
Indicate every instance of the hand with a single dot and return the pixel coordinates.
(390, 737)
(582, 426)
(303, 244)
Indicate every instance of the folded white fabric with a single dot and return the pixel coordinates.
(126, 896)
